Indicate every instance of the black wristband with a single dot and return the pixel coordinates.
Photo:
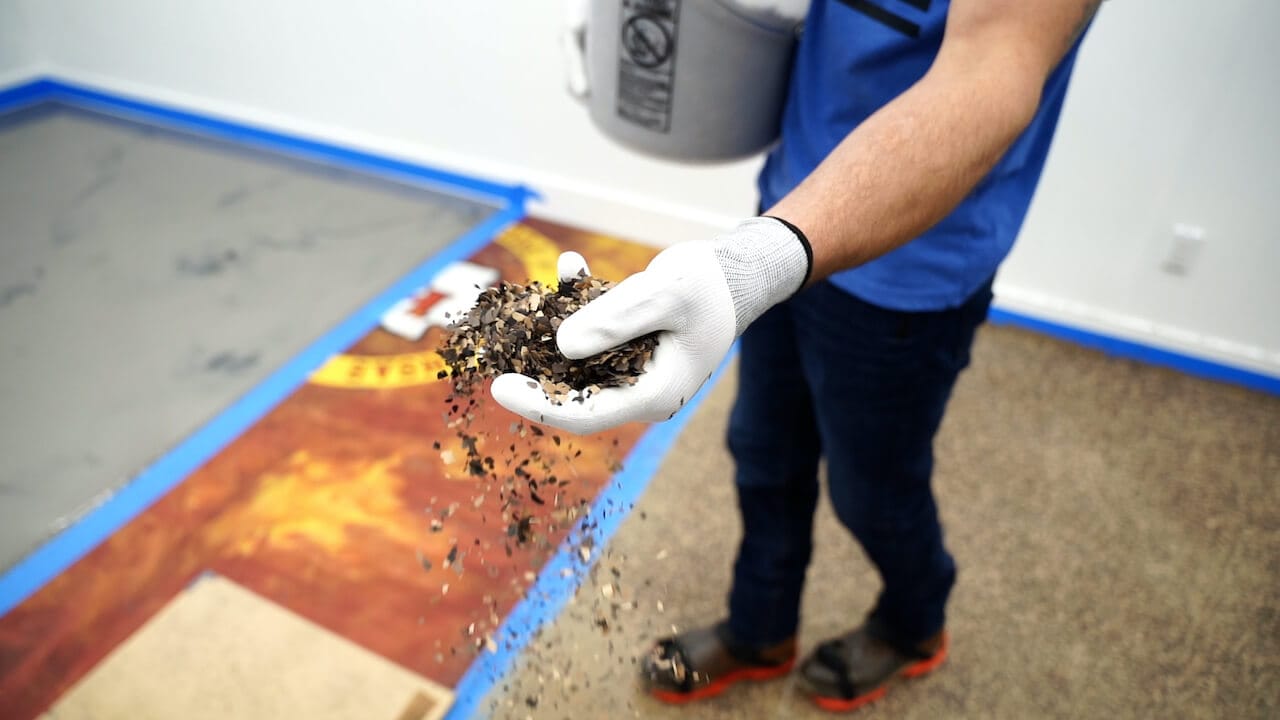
(808, 249)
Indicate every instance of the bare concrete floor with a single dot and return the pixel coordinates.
(1117, 528)
(149, 278)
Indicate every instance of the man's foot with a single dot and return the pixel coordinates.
(703, 663)
(856, 669)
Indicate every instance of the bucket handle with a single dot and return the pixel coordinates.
(573, 45)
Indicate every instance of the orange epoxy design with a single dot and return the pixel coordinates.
(320, 507)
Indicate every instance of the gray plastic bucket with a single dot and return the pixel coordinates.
(688, 80)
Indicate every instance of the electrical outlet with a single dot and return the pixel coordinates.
(1184, 249)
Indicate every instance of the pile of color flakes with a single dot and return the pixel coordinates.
(512, 329)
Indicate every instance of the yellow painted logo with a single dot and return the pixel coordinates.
(537, 252)
(376, 372)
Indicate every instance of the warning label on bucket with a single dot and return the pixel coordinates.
(646, 62)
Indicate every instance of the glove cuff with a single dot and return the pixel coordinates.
(765, 260)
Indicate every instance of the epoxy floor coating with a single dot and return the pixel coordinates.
(149, 278)
(352, 507)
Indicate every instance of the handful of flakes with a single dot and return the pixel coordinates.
(512, 328)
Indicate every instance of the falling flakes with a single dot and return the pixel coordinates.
(522, 483)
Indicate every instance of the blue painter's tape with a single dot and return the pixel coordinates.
(25, 95)
(562, 574)
(261, 138)
(48, 561)
(1142, 353)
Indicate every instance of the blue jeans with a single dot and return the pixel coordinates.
(828, 375)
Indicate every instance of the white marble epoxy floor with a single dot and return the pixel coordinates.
(147, 279)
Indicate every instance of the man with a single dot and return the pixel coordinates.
(914, 134)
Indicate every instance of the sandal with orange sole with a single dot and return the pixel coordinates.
(857, 669)
(703, 663)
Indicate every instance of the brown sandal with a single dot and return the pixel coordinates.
(704, 662)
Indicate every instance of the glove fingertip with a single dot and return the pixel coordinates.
(571, 265)
(518, 393)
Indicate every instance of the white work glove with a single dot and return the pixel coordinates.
(698, 296)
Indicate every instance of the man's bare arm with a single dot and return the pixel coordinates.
(914, 161)
(890, 179)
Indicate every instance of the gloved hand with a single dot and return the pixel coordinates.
(698, 295)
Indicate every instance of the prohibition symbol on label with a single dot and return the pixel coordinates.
(647, 62)
(647, 41)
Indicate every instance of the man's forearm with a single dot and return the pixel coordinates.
(910, 164)
(906, 167)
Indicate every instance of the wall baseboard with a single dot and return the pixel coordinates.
(645, 220)
(14, 77)
(1138, 339)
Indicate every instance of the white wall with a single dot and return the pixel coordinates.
(469, 85)
(1171, 118)
(20, 44)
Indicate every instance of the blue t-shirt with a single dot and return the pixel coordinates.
(853, 58)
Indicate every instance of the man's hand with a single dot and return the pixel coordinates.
(698, 296)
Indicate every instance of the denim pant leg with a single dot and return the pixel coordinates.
(882, 379)
(774, 440)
